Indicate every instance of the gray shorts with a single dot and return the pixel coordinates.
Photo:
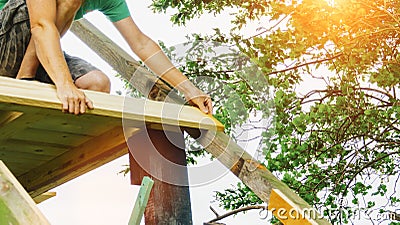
(14, 39)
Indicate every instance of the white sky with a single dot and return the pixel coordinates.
(103, 197)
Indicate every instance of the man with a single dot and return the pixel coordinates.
(30, 32)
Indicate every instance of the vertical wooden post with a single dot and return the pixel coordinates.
(160, 155)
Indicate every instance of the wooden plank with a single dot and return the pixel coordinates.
(77, 161)
(45, 196)
(21, 166)
(141, 201)
(18, 168)
(16, 206)
(10, 129)
(91, 125)
(34, 153)
(254, 175)
(51, 137)
(33, 147)
(44, 96)
(23, 157)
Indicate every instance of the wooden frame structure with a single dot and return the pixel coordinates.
(44, 147)
(256, 176)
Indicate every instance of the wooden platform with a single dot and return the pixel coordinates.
(44, 147)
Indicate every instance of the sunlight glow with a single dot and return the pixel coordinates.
(331, 2)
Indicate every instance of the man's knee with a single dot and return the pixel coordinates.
(95, 81)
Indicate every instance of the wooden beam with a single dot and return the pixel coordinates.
(16, 206)
(15, 94)
(75, 162)
(220, 145)
(141, 201)
(45, 196)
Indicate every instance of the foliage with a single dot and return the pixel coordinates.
(334, 68)
(237, 197)
(222, 72)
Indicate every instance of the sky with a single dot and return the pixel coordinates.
(104, 197)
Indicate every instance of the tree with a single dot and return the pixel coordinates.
(334, 70)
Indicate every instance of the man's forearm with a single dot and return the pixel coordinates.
(160, 64)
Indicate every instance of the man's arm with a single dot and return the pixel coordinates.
(148, 51)
(46, 40)
(65, 14)
(29, 63)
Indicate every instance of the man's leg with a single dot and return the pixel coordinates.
(94, 80)
(85, 75)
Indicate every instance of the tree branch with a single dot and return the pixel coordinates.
(236, 211)
(305, 64)
(366, 166)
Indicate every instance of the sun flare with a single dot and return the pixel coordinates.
(330, 2)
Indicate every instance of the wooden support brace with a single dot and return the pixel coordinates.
(16, 206)
(141, 201)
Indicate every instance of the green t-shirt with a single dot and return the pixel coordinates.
(115, 10)
(2, 3)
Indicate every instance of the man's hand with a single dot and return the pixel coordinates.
(195, 96)
(204, 103)
(199, 99)
(73, 100)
